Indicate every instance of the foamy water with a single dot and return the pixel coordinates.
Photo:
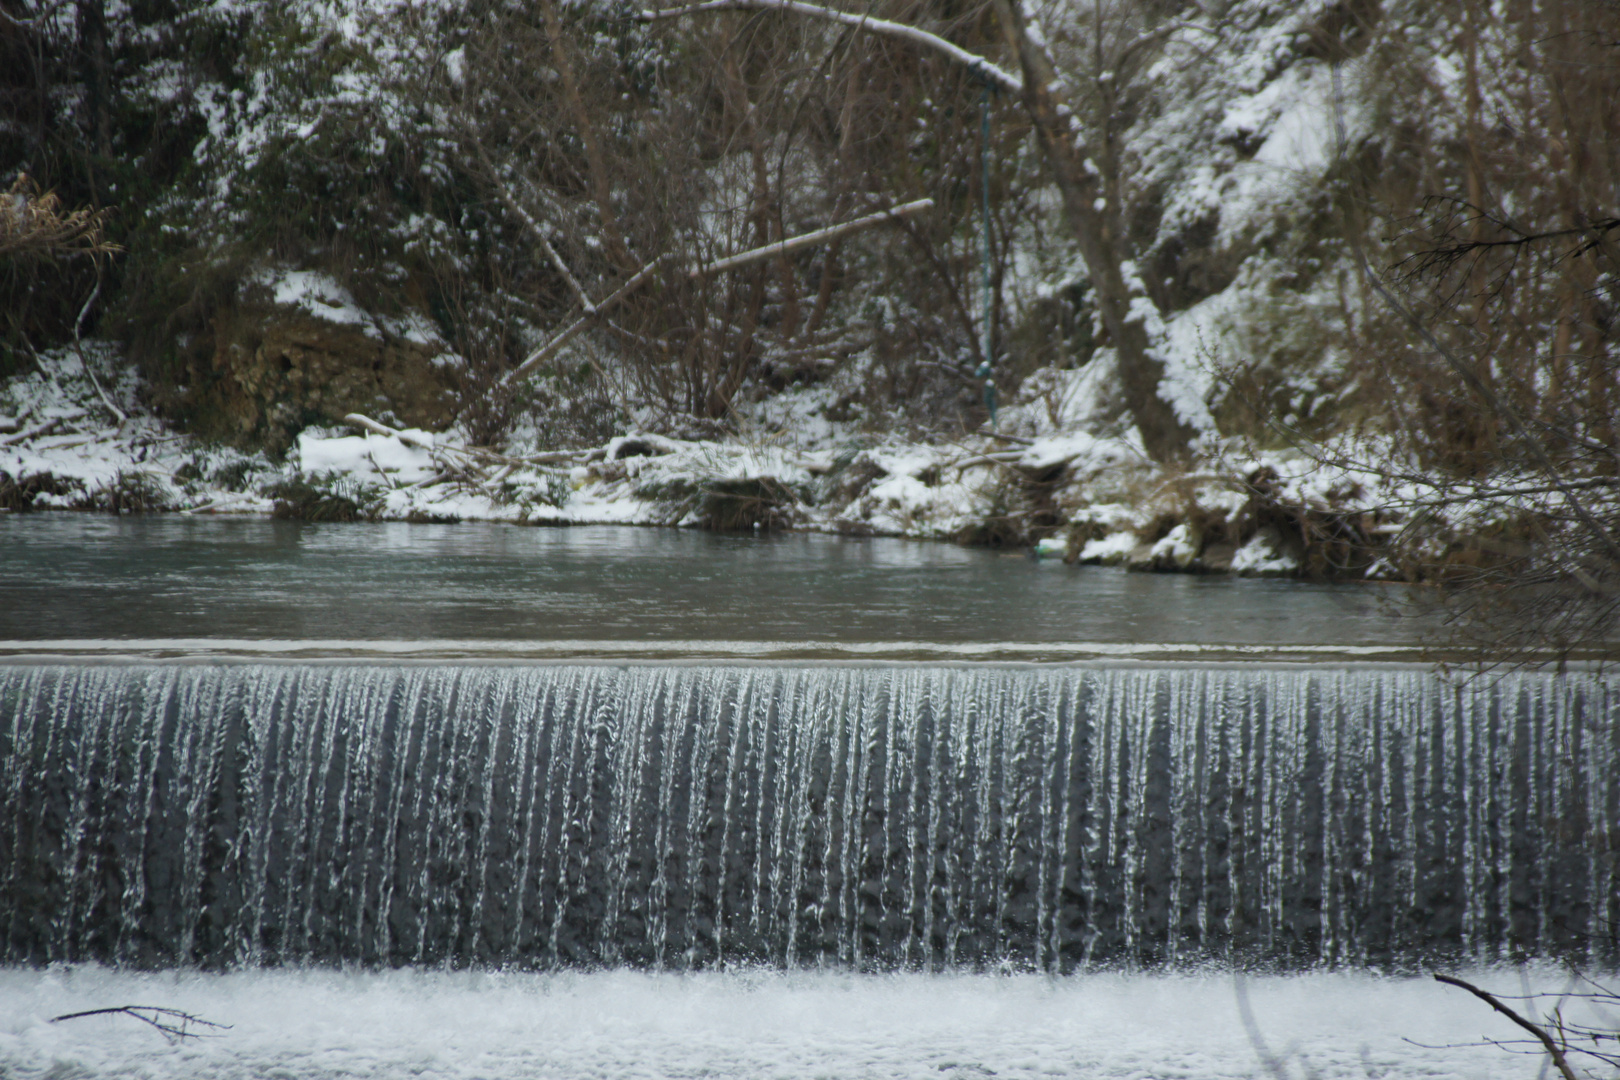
(309, 1023)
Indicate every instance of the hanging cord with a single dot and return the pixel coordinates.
(986, 326)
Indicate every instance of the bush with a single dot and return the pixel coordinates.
(19, 494)
(325, 497)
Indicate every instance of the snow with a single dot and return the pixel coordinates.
(372, 457)
(831, 478)
(316, 293)
(89, 450)
(1110, 549)
(292, 1024)
(1176, 547)
(1257, 557)
(323, 297)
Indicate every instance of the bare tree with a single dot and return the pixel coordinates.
(622, 172)
(1505, 276)
(1084, 168)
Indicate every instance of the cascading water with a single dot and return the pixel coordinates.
(878, 816)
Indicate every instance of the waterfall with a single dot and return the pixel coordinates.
(871, 817)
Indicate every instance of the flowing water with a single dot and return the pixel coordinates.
(320, 1024)
(485, 589)
(867, 816)
(652, 793)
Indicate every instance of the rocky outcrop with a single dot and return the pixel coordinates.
(276, 369)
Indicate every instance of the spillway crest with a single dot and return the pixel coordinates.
(864, 816)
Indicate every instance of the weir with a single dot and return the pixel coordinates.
(862, 816)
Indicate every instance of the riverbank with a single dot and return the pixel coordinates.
(1044, 480)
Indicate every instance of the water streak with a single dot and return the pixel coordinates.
(865, 816)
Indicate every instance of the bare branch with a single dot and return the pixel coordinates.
(984, 68)
(769, 251)
(1554, 1050)
(510, 202)
(809, 239)
(549, 349)
(173, 1023)
(1465, 372)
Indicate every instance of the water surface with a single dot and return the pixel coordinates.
(297, 1024)
(78, 577)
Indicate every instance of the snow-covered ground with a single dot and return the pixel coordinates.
(74, 439)
(759, 1025)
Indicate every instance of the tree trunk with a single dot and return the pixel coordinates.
(94, 65)
(601, 188)
(1165, 437)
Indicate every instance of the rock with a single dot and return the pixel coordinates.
(277, 369)
(1177, 550)
(1264, 555)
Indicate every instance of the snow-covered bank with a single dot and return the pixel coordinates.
(72, 439)
(294, 1024)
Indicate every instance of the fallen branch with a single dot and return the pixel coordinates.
(1005, 79)
(473, 467)
(809, 239)
(549, 349)
(360, 420)
(38, 431)
(554, 457)
(731, 262)
(173, 1023)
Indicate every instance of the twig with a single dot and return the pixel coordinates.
(1554, 1051)
(84, 361)
(173, 1023)
(389, 480)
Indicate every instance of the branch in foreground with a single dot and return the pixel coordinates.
(173, 1023)
(984, 68)
(1554, 1050)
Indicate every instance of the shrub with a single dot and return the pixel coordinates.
(325, 497)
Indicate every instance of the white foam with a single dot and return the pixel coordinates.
(759, 1025)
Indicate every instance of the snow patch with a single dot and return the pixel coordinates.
(1258, 556)
(1111, 549)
